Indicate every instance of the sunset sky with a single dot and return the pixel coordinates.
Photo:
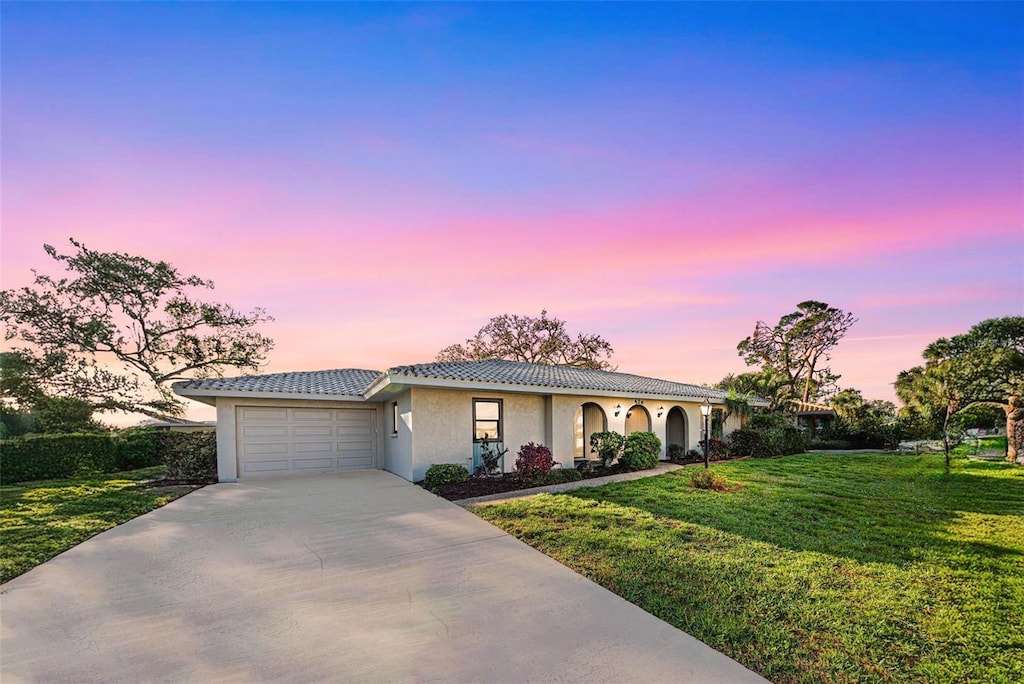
(385, 178)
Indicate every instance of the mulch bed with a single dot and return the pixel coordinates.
(482, 486)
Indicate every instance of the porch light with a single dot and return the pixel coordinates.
(705, 410)
(618, 409)
(661, 409)
(629, 413)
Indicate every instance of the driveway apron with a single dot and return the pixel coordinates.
(357, 577)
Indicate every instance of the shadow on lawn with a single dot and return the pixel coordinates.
(863, 508)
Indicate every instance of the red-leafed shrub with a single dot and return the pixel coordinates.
(534, 460)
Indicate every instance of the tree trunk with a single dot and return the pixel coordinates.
(945, 434)
(1015, 429)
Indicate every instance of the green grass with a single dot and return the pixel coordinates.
(817, 568)
(39, 520)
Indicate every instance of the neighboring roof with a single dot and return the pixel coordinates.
(808, 408)
(357, 384)
(350, 382)
(175, 422)
(545, 376)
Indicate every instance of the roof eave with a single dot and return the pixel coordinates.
(210, 396)
(448, 383)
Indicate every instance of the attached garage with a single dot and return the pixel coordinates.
(285, 441)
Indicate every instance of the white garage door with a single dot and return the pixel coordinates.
(278, 441)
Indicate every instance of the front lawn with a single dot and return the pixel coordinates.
(39, 520)
(817, 568)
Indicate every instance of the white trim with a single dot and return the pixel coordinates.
(243, 394)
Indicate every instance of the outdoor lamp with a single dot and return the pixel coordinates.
(705, 410)
(661, 409)
(618, 408)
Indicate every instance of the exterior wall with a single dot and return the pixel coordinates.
(398, 448)
(563, 445)
(227, 438)
(443, 426)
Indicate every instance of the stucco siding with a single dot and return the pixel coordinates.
(443, 426)
(398, 448)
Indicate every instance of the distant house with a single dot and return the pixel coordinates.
(812, 418)
(177, 425)
(409, 417)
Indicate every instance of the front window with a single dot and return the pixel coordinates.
(487, 420)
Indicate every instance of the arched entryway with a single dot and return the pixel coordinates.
(590, 418)
(638, 420)
(675, 428)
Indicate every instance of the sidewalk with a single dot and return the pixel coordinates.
(488, 499)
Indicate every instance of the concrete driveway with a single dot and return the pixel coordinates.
(350, 577)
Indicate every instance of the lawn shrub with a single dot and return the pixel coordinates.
(559, 475)
(607, 445)
(779, 437)
(793, 441)
(445, 473)
(189, 456)
(534, 460)
(640, 451)
(137, 449)
(46, 457)
(745, 443)
(708, 479)
(717, 448)
(837, 444)
(675, 452)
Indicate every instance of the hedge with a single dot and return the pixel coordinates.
(191, 456)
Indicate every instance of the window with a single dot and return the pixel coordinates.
(487, 420)
(394, 418)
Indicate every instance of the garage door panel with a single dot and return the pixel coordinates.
(277, 449)
(266, 467)
(312, 431)
(264, 431)
(275, 441)
(266, 414)
(313, 415)
(317, 464)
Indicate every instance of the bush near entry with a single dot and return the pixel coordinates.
(533, 460)
(640, 451)
(445, 473)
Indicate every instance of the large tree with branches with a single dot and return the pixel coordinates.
(796, 349)
(982, 366)
(533, 340)
(118, 330)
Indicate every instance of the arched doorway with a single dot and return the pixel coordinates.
(638, 420)
(675, 428)
(590, 418)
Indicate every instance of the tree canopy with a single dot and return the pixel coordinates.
(541, 340)
(118, 330)
(795, 351)
(982, 366)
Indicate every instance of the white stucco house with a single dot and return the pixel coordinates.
(407, 418)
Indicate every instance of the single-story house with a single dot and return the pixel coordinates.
(410, 417)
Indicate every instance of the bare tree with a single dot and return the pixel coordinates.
(541, 340)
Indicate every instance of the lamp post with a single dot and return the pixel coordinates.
(705, 410)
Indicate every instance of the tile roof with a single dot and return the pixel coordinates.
(355, 382)
(563, 377)
(342, 381)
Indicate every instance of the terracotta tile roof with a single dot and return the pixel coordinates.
(563, 377)
(342, 381)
